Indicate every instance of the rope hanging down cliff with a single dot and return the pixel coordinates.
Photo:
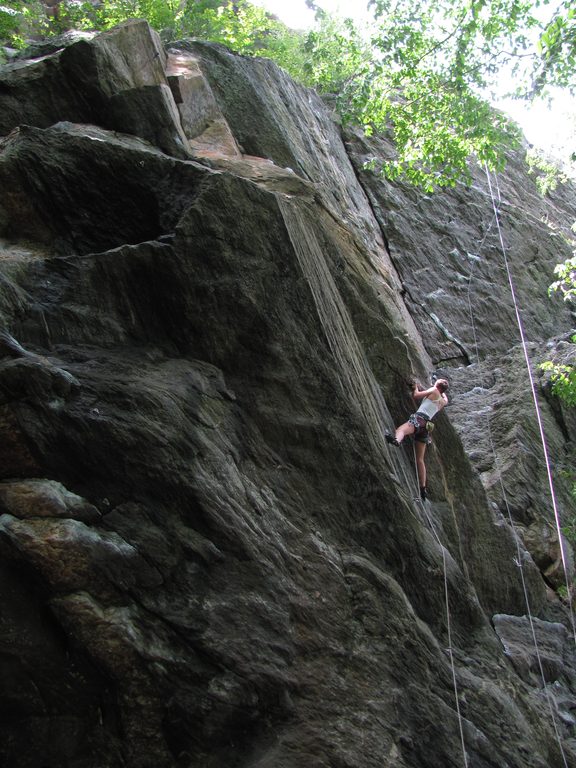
(519, 554)
(418, 427)
(537, 410)
(356, 376)
(449, 648)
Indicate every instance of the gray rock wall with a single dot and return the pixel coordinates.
(475, 265)
(210, 556)
(448, 250)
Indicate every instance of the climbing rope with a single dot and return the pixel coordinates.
(535, 401)
(449, 649)
(424, 507)
(519, 556)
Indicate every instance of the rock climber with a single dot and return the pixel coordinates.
(420, 425)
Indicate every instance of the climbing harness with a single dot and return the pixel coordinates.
(422, 427)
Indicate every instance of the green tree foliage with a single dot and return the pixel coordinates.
(556, 50)
(19, 20)
(566, 283)
(563, 377)
(563, 381)
(546, 171)
(434, 65)
(10, 20)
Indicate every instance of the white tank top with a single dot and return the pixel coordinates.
(429, 407)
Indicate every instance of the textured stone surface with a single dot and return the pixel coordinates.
(448, 250)
(551, 658)
(93, 81)
(209, 556)
(500, 428)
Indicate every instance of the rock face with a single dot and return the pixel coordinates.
(210, 556)
(452, 255)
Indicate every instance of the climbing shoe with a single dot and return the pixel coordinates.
(423, 494)
(391, 439)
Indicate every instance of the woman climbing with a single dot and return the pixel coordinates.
(420, 425)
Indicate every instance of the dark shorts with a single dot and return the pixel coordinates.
(420, 425)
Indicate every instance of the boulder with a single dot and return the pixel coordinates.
(92, 80)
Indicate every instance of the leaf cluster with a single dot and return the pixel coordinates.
(563, 377)
(557, 50)
(566, 283)
(546, 172)
(19, 20)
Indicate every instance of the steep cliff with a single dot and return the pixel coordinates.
(210, 555)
